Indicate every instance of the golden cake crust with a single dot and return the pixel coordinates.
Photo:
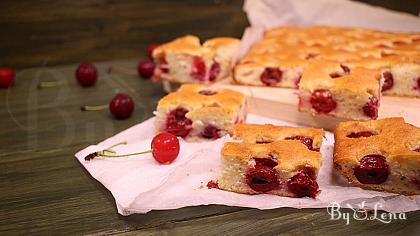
(253, 133)
(394, 139)
(359, 80)
(220, 42)
(354, 47)
(188, 44)
(189, 94)
(291, 154)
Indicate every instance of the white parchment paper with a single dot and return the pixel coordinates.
(139, 184)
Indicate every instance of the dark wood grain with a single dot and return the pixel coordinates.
(44, 190)
(56, 32)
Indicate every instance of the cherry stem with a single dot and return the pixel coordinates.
(101, 154)
(48, 84)
(94, 108)
(109, 150)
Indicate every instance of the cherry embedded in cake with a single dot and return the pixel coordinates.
(271, 76)
(197, 113)
(354, 95)
(214, 71)
(269, 70)
(322, 101)
(291, 49)
(284, 168)
(186, 60)
(198, 69)
(382, 155)
(388, 81)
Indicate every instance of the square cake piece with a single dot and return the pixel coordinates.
(332, 89)
(272, 159)
(198, 112)
(255, 133)
(185, 60)
(400, 74)
(284, 168)
(382, 155)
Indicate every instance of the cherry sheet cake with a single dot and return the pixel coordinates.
(272, 159)
(332, 89)
(382, 155)
(185, 60)
(290, 57)
(198, 112)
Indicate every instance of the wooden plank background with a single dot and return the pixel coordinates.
(54, 32)
(34, 33)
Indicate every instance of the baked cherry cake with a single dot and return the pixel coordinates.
(382, 155)
(255, 133)
(185, 60)
(400, 75)
(285, 168)
(267, 62)
(269, 70)
(198, 112)
(272, 159)
(330, 88)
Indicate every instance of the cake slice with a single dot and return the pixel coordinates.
(198, 112)
(400, 74)
(274, 70)
(382, 155)
(285, 168)
(255, 133)
(185, 60)
(330, 88)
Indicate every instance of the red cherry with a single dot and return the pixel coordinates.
(363, 134)
(418, 83)
(7, 78)
(121, 106)
(198, 69)
(145, 69)
(214, 71)
(322, 101)
(346, 69)
(417, 149)
(262, 179)
(305, 140)
(388, 82)
(263, 141)
(265, 161)
(150, 50)
(177, 123)
(271, 76)
(297, 81)
(86, 74)
(303, 184)
(211, 132)
(165, 148)
(310, 56)
(207, 92)
(212, 184)
(373, 169)
(370, 109)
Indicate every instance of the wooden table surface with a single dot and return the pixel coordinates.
(45, 190)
